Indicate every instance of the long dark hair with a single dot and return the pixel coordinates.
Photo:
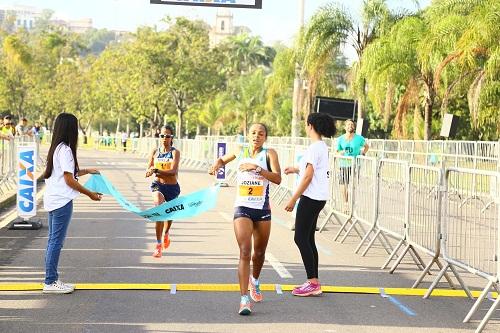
(66, 131)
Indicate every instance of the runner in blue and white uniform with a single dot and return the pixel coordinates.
(164, 164)
(257, 166)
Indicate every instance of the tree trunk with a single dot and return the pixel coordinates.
(178, 127)
(361, 101)
(416, 120)
(389, 97)
(429, 103)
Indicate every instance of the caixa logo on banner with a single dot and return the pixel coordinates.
(26, 185)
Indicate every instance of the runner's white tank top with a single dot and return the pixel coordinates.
(253, 189)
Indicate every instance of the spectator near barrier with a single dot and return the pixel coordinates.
(38, 131)
(8, 127)
(349, 144)
(124, 140)
(22, 128)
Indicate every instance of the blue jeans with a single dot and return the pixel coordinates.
(58, 225)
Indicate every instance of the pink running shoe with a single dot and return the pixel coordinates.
(307, 289)
(157, 251)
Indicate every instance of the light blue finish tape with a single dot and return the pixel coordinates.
(180, 208)
(173, 289)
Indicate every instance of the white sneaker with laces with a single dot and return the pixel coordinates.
(57, 287)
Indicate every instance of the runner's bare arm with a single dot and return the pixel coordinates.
(149, 169)
(220, 162)
(273, 175)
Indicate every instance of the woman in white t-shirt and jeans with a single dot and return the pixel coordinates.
(61, 188)
(313, 192)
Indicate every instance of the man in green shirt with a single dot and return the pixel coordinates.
(349, 144)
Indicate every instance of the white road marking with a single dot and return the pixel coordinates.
(278, 266)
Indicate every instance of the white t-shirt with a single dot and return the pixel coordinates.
(58, 193)
(317, 155)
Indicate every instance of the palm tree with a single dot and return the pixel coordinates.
(475, 59)
(247, 53)
(332, 27)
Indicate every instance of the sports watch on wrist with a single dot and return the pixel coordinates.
(258, 170)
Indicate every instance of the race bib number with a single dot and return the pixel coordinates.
(163, 164)
(251, 190)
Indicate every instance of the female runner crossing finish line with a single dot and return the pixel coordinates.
(164, 164)
(257, 166)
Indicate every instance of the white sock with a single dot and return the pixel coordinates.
(254, 280)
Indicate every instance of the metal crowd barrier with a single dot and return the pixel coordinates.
(471, 231)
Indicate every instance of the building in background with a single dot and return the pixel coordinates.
(25, 17)
(224, 27)
(22, 16)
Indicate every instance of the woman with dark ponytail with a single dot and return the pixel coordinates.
(313, 192)
(61, 188)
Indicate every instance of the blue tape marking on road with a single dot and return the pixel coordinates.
(173, 289)
(400, 305)
(279, 291)
(179, 208)
(490, 296)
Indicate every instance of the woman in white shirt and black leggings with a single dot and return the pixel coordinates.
(61, 188)
(313, 191)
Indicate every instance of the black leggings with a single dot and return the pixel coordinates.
(306, 220)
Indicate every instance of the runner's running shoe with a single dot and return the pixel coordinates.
(255, 290)
(166, 241)
(245, 306)
(157, 251)
(307, 289)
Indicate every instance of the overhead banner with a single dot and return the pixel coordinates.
(253, 4)
(180, 208)
(26, 182)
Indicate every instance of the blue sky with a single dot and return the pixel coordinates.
(278, 20)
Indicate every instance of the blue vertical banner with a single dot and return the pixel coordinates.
(221, 151)
(26, 182)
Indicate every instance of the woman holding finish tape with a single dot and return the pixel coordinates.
(313, 192)
(257, 166)
(62, 187)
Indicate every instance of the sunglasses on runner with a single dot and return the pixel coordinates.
(168, 136)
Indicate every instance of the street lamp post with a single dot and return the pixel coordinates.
(297, 83)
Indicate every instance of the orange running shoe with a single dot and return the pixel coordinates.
(166, 241)
(157, 251)
(255, 290)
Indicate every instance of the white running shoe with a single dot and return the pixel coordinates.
(57, 287)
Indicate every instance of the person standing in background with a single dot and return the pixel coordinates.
(349, 144)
